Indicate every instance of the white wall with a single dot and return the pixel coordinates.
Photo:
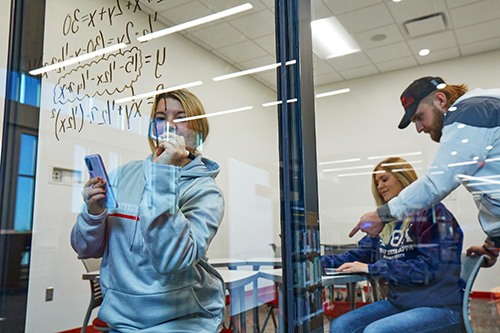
(244, 144)
(364, 123)
(4, 48)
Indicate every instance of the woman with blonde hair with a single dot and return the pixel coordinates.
(420, 259)
(154, 273)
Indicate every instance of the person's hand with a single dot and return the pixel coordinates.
(353, 267)
(479, 250)
(369, 223)
(93, 191)
(172, 151)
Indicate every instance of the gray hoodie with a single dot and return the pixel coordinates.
(154, 273)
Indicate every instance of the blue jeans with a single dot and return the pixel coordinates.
(384, 317)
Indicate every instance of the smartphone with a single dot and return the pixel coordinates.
(96, 168)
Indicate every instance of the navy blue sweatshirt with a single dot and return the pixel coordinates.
(421, 265)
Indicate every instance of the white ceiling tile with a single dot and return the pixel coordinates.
(197, 41)
(458, 3)
(257, 62)
(186, 12)
(322, 67)
(439, 55)
(482, 46)
(475, 13)
(389, 52)
(392, 33)
(434, 42)
(220, 5)
(223, 57)
(320, 80)
(219, 35)
(349, 61)
(267, 43)
(366, 19)
(256, 24)
(411, 9)
(343, 6)
(400, 63)
(268, 3)
(319, 10)
(269, 78)
(359, 72)
(478, 32)
(242, 51)
(165, 5)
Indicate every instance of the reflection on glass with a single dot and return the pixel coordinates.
(418, 256)
(154, 274)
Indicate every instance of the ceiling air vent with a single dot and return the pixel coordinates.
(425, 25)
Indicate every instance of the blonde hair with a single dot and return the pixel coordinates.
(405, 174)
(451, 91)
(193, 107)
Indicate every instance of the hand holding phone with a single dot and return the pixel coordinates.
(98, 190)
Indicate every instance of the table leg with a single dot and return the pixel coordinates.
(243, 321)
(351, 293)
(256, 327)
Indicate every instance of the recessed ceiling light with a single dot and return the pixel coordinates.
(397, 0)
(424, 52)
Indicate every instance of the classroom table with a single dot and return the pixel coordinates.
(231, 263)
(266, 261)
(235, 282)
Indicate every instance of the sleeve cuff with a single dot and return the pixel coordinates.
(385, 214)
(493, 241)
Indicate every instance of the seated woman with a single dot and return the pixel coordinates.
(420, 259)
(154, 273)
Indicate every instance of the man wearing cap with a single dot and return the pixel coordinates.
(467, 127)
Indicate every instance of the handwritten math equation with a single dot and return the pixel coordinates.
(108, 77)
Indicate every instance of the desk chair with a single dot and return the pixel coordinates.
(92, 265)
(468, 272)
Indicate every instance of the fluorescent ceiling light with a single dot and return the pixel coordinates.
(72, 61)
(405, 169)
(401, 163)
(252, 71)
(350, 168)
(330, 39)
(193, 23)
(360, 173)
(393, 155)
(245, 108)
(293, 100)
(341, 161)
(334, 92)
(157, 92)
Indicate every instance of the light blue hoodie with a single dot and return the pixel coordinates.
(468, 154)
(154, 273)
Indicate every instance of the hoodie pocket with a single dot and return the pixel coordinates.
(123, 310)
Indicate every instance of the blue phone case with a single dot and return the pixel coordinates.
(96, 168)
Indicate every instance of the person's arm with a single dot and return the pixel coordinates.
(462, 150)
(88, 237)
(363, 253)
(178, 227)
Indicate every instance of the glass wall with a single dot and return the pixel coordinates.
(134, 99)
(388, 45)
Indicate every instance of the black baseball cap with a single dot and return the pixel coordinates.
(416, 91)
